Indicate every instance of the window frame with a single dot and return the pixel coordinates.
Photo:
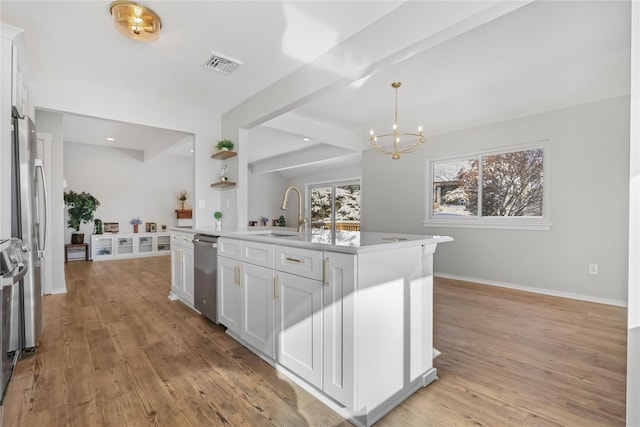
(512, 222)
(333, 184)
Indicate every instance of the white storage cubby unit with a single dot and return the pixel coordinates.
(124, 245)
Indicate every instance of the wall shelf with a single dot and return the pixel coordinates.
(224, 154)
(224, 184)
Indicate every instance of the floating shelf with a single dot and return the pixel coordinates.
(224, 154)
(224, 184)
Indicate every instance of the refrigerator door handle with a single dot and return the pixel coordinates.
(39, 166)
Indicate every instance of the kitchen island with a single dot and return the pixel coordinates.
(349, 318)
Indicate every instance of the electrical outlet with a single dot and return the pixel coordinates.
(593, 269)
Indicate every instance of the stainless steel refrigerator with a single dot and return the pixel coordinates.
(28, 223)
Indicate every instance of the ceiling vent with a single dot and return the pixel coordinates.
(222, 64)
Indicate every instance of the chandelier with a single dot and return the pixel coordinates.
(135, 20)
(401, 142)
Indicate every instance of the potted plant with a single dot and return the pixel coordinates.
(218, 216)
(135, 222)
(225, 145)
(82, 206)
(183, 196)
(282, 222)
(264, 220)
(164, 227)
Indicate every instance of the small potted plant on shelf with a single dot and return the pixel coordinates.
(82, 206)
(264, 220)
(218, 216)
(282, 222)
(135, 222)
(164, 227)
(183, 196)
(225, 145)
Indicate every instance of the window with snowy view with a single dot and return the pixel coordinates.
(477, 188)
(334, 207)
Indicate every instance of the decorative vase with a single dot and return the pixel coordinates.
(218, 225)
(182, 205)
(135, 228)
(77, 238)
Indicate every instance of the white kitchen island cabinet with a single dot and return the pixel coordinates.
(245, 293)
(182, 267)
(353, 320)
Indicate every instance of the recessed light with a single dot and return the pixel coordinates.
(111, 139)
(192, 150)
(306, 139)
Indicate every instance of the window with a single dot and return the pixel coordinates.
(506, 189)
(334, 207)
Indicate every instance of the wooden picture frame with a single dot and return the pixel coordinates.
(150, 227)
(111, 227)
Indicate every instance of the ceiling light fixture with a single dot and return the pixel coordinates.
(135, 20)
(110, 139)
(400, 143)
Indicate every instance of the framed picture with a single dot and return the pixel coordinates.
(150, 227)
(111, 227)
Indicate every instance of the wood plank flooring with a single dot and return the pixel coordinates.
(116, 352)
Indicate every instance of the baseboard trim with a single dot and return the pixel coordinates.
(579, 297)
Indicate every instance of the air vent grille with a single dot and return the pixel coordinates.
(222, 64)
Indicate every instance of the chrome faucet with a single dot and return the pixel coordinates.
(301, 218)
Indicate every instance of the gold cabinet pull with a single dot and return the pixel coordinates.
(301, 261)
(325, 276)
(275, 287)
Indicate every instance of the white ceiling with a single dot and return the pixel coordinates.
(465, 65)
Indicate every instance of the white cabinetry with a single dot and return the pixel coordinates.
(114, 246)
(246, 290)
(294, 305)
(182, 267)
(357, 326)
(299, 326)
(338, 326)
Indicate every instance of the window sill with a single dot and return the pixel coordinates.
(494, 225)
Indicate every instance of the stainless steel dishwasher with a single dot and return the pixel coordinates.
(204, 275)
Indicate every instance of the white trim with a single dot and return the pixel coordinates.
(524, 225)
(510, 223)
(542, 291)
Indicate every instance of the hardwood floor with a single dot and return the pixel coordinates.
(115, 351)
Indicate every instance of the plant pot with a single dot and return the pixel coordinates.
(77, 238)
(135, 228)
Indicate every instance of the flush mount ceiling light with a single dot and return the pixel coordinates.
(135, 21)
(401, 142)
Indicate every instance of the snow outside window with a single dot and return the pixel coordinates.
(505, 189)
(334, 208)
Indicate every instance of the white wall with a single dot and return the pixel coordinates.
(588, 204)
(633, 334)
(126, 185)
(265, 196)
(51, 123)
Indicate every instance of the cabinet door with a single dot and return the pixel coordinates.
(338, 331)
(187, 274)
(101, 247)
(229, 294)
(176, 271)
(257, 307)
(299, 326)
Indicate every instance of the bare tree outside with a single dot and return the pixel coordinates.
(512, 185)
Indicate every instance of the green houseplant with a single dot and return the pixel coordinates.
(225, 144)
(218, 216)
(82, 206)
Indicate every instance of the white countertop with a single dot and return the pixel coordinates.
(345, 241)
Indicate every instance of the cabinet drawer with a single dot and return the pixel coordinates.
(258, 253)
(230, 248)
(303, 262)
